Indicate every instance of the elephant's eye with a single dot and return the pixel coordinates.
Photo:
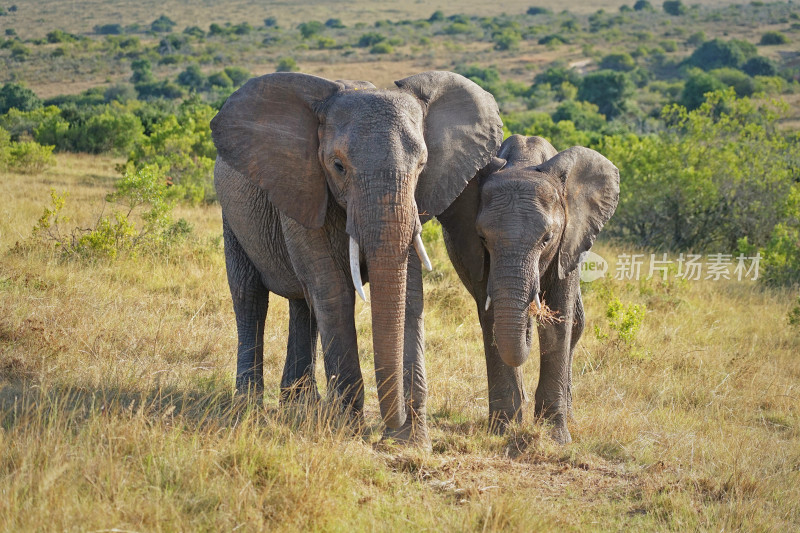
(547, 238)
(337, 164)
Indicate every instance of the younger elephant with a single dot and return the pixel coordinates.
(515, 237)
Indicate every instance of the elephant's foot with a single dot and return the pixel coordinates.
(500, 419)
(250, 386)
(413, 433)
(560, 434)
(302, 392)
(558, 421)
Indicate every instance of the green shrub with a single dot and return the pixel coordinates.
(238, 75)
(109, 29)
(182, 148)
(13, 95)
(309, 29)
(334, 23)
(743, 84)
(697, 86)
(717, 174)
(793, 317)
(674, 7)
(287, 64)
(760, 66)
(437, 16)
(773, 37)
(370, 39)
(220, 79)
(381, 48)
(621, 61)
(192, 78)
(507, 39)
(608, 90)
(624, 322)
(584, 115)
(28, 157)
(718, 54)
(140, 222)
(270, 22)
(194, 31)
(59, 36)
(643, 5)
(162, 24)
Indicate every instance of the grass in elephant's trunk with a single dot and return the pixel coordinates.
(543, 314)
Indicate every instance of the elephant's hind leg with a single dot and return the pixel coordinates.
(298, 382)
(250, 301)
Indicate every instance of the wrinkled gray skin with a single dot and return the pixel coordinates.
(306, 165)
(518, 231)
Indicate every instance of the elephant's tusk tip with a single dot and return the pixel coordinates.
(538, 302)
(488, 303)
(423, 255)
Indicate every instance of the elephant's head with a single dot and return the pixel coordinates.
(385, 156)
(537, 215)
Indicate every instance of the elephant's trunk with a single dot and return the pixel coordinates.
(512, 295)
(385, 232)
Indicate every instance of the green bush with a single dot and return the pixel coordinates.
(772, 38)
(584, 115)
(24, 157)
(192, 78)
(109, 29)
(760, 66)
(620, 61)
(162, 24)
(238, 75)
(624, 322)
(287, 64)
(743, 84)
(381, 48)
(182, 148)
(309, 29)
(697, 86)
(717, 174)
(608, 90)
(643, 5)
(370, 39)
(13, 95)
(140, 222)
(674, 7)
(718, 54)
(507, 39)
(535, 10)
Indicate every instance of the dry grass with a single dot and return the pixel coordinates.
(116, 408)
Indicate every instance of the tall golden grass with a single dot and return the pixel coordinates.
(116, 405)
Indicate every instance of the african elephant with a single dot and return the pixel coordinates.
(515, 237)
(323, 184)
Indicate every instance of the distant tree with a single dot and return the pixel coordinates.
(555, 76)
(743, 84)
(18, 97)
(216, 29)
(311, 28)
(242, 28)
(718, 53)
(270, 22)
(334, 23)
(674, 7)
(286, 64)
(535, 10)
(437, 16)
(59, 36)
(109, 29)
(508, 39)
(220, 79)
(760, 66)
(381, 48)
(584, 115)
(608, 90)
(120, 92)
(621, 61)
(697, 38)
(238, 75)
(370, 39)
(194, 31)
(643, 5)
(192, 77)
(697, 86)
(162, 24)
(773, 37)
(142, 71)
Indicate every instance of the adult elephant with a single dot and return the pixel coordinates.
(515, 237)
(323, 183)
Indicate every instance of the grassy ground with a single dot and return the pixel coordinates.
(116, 407)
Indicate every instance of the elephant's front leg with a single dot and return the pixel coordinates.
(555, 344)
(250, 300)
(506, 390)
(298, 382)
(415, 385)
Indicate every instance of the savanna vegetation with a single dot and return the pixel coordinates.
(117, 337)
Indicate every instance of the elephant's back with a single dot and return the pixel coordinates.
(256, 223)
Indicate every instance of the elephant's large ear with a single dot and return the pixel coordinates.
(463, 130)
(591, 189)
(267, 130)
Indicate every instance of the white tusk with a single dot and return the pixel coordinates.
(423, 255)
(488, 303)
(355, 268)
(538, 302)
